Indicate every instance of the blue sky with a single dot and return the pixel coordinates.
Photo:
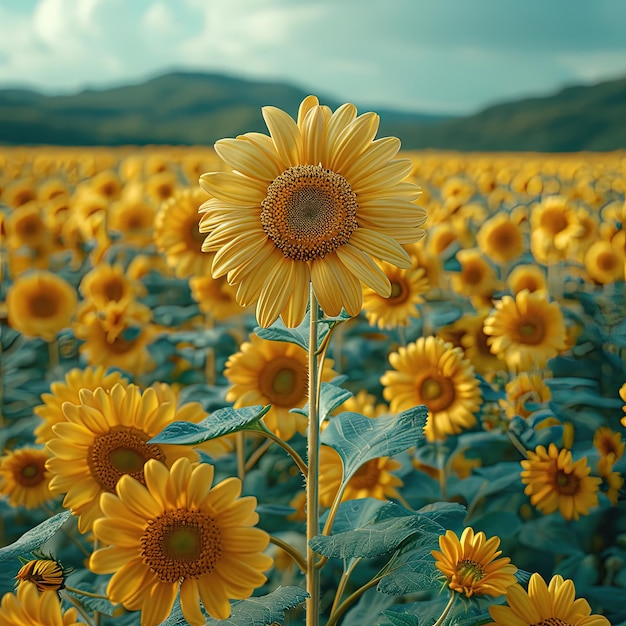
(439, 56)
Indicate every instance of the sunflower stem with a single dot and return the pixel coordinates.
(241, 455)
(257, 454)
(443, 616)
(89, 594)
(345, 605)
(287, 448)
(312, 482)
(290, 550)
(53, 354)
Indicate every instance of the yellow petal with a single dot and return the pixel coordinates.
(362, 266)
(378, 154)
(295, 308)
(234, 188)
(314, 132)
(352, 141)
(245, 157)
(380, 246)
(285, 134)
(275, 292)
(310, 102)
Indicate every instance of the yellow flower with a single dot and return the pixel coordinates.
(133, 218)
(374, 479)
(161, 186)
(24, 478)
(273, 372)
(613, 481)
(105, 437)
(45, 574)
(311, 203)
(500, 238)
(607, 441)
(545, 605)
(365, 404)
(407, 288)
(431, 371)
(19, 192)
(25, 226)
(177, 236)
(555, 482)
(530, 277)
(526, 331)
(554, 225)
(470, 564)
(477, 278)
(604, 262)
(28, 607)
(41, 304)
(522, 389)
(215, 297)
(108, 283)
(177, 532)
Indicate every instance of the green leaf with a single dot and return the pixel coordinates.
(401, 619)
(221, 422)
(411, 569)
(35, 537)
(551, 534)
(358, 439)
(331, 397)
(504, 524)
(279, 332)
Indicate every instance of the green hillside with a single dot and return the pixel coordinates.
(194, 108)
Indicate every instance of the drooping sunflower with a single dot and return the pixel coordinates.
(47, 574)
(551, 604)
(500, 238)
(28, 606)
(310, 204)
(526, 331)
(431, 371)
(471, 566)
(522, 389)
(175, 532)
(24, 479)
(374, 479)
(555, 482)
(273, 372)
(177, 234)
(407, 288)
(41, 304)
(105, 437)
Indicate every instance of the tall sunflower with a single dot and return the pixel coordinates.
(551, 604)
(24, 479)
(555, 482)
(526, 331)
(41, 304)
(177, 532)
(273, 372)
(105, 437)
(471, 566)
(311, 203)
(431, 371)
(29, 607)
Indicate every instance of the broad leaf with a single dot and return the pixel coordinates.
(411, 569)
(401, 619)
(221, 422)
(34, 538)
(358, 439)
(331, 397)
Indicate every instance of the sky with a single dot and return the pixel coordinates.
(432, 56)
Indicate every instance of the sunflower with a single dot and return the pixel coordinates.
(273, 372)
(40, 304)
(407, 288)
(46, 574)
(177, 532)
(555, 482)
(28, 606)
(106, 184)
(500, 238)
(374, 479)
(522, 389)
(133, 218)
(215, 297)
(161, 186)
(604, 262)
(470, 564)
(19, 192)
(431, 371)
(68, 391)
(607, 441)
(105, 437)
(611, 481)
(530, 277)
(477, 278)
(311, 203)
(177, 236)
(25, 226)
(526, 331)
(545, 605)
(108, 283)
(24, 479)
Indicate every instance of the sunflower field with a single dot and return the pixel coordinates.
(308, 378)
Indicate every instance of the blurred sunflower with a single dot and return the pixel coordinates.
(46, 574)
(105, 437)
(19, 192)
(374, 479)
(273, 372)
(106, 184)
(25, 226)
(133, 219)
(604, 262)
(470, 564)
(68, 390)
(440, 238)
(521, 389)
(41, 304)
(554, 224)
(160, 186)
(52, 188)
(526, 331)
(607, 441)
(477, 278)
(501, 238)
(555, 482)
(432, 372)
(542, 604)
(177, 532)
(24, 479)
(28, 607)
(108, 283)
(612, 481)
(530, 277)
(310, 204)
(215, 297)
(177, 236)
(407, 288)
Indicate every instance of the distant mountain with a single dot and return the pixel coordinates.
(195, 108)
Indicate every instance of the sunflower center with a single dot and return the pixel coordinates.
(607, 261)
(120, 451)
(113, 289)
(436, 392)
(366, 477)
(554, 221)
(120, 345)
(552, 621)
(567, 484)
(473, 274)
(309, 212)
(399, 292)
(196, 238)
(43, 305)
(31, 475)
(531, 332)
(181, 543)
(469, 572)
(284, 382)
(505, 237)
(30, 228)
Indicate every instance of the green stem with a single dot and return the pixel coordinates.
(89, 594)
(257, 454)
(241, 455)
(312, 483)
(265, 432)
(290, 550)
(345, 605)
(443, 616)
(53, 354)
(343, 582)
